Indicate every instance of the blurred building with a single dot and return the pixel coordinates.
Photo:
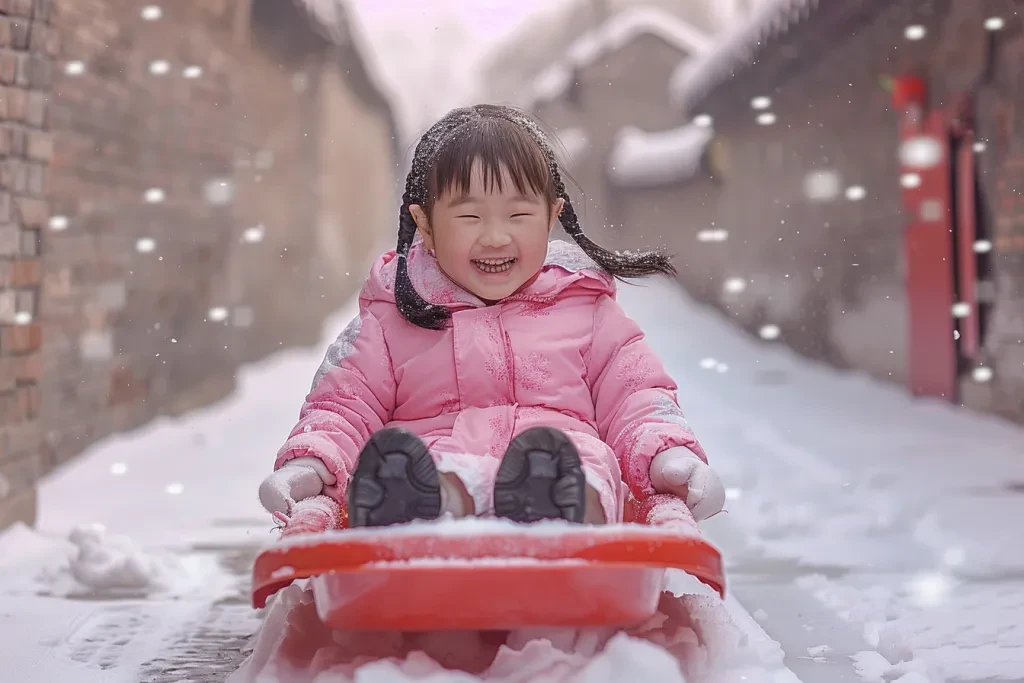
(510, 72)
(184, 187)
(591, 91)
(844, 178)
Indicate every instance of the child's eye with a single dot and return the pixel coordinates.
(465, 215)
(517, 215)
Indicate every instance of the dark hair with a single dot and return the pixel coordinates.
(500, 139)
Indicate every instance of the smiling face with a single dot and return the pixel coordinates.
(491, 239)
(491, 208)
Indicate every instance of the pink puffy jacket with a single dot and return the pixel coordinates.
(561, 352)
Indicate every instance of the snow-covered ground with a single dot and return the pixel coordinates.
(868, 537)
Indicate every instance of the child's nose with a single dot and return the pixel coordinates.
(495, 236)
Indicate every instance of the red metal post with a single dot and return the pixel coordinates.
(926, 193)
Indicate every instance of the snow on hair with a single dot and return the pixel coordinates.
(501, 139)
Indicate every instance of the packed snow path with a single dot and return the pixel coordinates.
(872, 536)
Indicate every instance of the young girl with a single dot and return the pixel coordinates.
(490, 371)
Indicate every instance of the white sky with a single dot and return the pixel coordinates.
(486, 19)
(426, 52)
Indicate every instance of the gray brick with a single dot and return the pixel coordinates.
(32, 212)
(35, 110)
(19, 141)
(40, 145)
(17, 103)
(10, 239)
(8, 306)
(30, 242)
(40, 72)
(8, 66)
(20, 8)
(36, 179)
(42, 10)
(39, 37)
(20, 29)
(5, 31)
(26, 301)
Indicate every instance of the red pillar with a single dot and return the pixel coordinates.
(932, 361)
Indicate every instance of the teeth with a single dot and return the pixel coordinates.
(494, 265)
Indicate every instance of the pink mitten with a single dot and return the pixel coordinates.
(680, 472)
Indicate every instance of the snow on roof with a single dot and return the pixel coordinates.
(644, 159)
(330, 16)
(736, 48)
(614, 34)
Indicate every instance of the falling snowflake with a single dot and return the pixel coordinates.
(915, 32)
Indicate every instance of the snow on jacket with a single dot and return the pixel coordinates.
(560, 352)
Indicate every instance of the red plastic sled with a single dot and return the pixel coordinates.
(485, 574)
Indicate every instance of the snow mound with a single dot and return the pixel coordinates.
(972, 633)
(643, 159)
(692, 638)
(92, 562)
(113, 563)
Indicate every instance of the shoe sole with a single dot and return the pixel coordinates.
(395, 481)
(540, 477)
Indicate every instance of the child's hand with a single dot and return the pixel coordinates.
(679, 472)
(298, 479)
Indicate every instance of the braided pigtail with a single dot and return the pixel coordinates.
(411, 305)
(622, 266)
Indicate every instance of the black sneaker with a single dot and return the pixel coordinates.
(540, 477)
(395, 481)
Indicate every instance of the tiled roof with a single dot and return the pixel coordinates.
(739, 47)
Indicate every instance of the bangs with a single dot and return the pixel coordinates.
(499, 147)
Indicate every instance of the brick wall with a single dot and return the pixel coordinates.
(26, 43)
(191, 226)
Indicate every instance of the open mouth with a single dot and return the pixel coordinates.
(494, 265)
